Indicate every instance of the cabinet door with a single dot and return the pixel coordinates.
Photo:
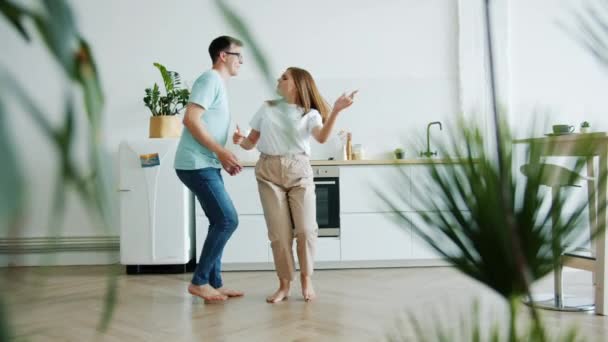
(421, 178)
(375, 236)
(202, 226)
(362, 188)
(243, 191)
(249, 243)
(328, 249)
(420, 248)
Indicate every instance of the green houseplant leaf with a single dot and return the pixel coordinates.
(239, 25)
(54, 23)
(168, 77)
(175, 98)
(488, 221)
(14, 15)
(11, 176)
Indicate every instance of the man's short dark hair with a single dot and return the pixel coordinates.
(220, 44)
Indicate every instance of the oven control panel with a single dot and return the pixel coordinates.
(326, 171)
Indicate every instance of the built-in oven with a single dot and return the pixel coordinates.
(327, 189)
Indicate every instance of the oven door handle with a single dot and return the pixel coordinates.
(325, 182)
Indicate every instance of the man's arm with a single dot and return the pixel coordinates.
(192, 121)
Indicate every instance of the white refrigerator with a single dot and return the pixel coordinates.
(156, 209)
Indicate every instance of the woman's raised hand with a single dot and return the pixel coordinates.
(344, 101)
(237, 137)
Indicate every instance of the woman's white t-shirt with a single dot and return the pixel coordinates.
(283, 129)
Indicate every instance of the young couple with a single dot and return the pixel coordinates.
(281, 130)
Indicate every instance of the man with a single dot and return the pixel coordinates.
(200, 157)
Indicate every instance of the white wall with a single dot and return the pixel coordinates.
(550, 71)
(402, 55)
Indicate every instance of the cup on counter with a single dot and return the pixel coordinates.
(563, 128)
(357, 153)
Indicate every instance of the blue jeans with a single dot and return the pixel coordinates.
(208, 187)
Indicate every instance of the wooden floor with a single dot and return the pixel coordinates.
(65, 304)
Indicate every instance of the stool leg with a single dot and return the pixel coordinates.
(557, 267)
(558, 281)
(592, 207)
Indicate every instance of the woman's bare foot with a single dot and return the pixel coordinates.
(281, 294)
(308, 291)
(278, 296)
(206, 292)
(230, 293)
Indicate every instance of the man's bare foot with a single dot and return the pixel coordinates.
(308, 291)
(230, 293)
(208, 293)
(279, 295)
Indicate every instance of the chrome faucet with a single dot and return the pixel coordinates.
(428, 152)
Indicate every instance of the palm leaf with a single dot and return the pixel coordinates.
(238, 24)
(167, 76)
(591, 30)
(56, 26)
(473, 331)
(88, 78)
(11, 179)
(472, 233)
(177, 81)
(14, 15)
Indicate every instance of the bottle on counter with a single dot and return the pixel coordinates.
(349, 146)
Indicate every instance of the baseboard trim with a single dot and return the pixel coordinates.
(59, 251)
(329, 265)
(28, 245)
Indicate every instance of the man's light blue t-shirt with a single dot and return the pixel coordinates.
(208, 92)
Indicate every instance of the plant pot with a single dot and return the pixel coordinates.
(165, 126)
(585, 129)
(399, 155)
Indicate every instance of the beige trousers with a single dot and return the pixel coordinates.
(287, 192)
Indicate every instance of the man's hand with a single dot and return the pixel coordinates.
(229, 162)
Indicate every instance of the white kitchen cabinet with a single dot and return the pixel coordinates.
(420, 248)
(420, 177)
(328, 249)
(359, 187)
(243, 190)
(375, 236)
(248, 244)
(202, 226)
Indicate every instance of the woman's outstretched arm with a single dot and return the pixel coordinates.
(321, 133)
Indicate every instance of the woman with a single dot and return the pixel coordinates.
(281, 129)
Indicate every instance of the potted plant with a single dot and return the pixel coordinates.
(164, 123)
(501, 238)
(494, 234)
(398, 153)
(585, 127)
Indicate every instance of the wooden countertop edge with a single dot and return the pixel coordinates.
(420, 161)
(565, 137)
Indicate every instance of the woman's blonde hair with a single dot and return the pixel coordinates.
(307, 94)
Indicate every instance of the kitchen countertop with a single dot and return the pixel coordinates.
(417, 161)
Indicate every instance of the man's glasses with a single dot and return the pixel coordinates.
(238, 54)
